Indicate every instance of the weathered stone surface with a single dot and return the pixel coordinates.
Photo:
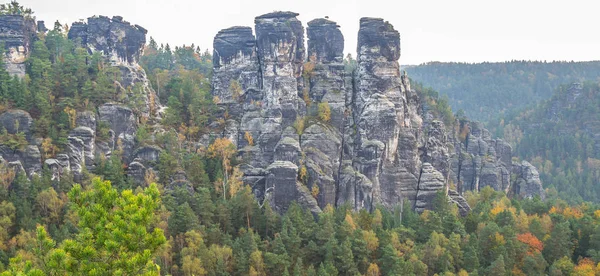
(116, 38)
(17, 33)
(280, 48)
(463, 205)
(148, 155)
(322, 149)
(63, 160)
(326, 76)
(436, 151)
(284, 188)
(15, 121)
(376, 149)
(32, 160)
(122, 44)
(281, 180)
(29, 158)
(527, 183)
(355, 189)
(325, 41)
(481, 161)
(75, 151)
(58, 166)
(55, 168)
(136, 171)
(382, 116)
(87, 150)
(86, 119)
(288, 149)
(235, 63)
(430, 182)
(120, 119)
(306, 200)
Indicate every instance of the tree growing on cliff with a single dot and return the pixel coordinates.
(324, 112)
(236, 90)
(223, 149)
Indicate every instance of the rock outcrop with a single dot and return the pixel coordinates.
(307, 129)
(365, 154)
(324, 73)
(27, 159)
(115, 38)
(17, 33)
(387, 136)
(527, 182)
(374, 149)
(122, 44)
(479, 161)
(15, 121)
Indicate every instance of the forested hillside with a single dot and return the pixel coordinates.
(175, 161)
(489, 90)
(562, 138)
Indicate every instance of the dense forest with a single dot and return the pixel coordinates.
(107, 225)
(568, 158)
(486, 91)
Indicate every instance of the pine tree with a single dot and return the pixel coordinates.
(345, 259)
(497, 267)
(559, 244)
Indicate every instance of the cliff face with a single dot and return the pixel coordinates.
(375, 148)
(122, 44)
(17, 33)
(320, 135)
(366, 154)
(479, 161)
(115, 38)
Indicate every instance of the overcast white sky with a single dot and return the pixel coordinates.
(431, 30)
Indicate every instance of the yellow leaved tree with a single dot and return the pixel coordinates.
(224, 149)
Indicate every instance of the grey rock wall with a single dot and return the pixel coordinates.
(366, 154)
(18, 34)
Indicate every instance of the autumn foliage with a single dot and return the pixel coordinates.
(532, 241)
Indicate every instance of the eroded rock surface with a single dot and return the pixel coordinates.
(375, 149)
(367, 153)
(379, 146)
(122, 44)
(17, 33)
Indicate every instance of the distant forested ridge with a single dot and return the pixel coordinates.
(489, 90)
(561, 137)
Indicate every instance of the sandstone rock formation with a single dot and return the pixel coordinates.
(17, 33)
(376, 149)
(366, 154)
(15, 121)
(527, 183)
(119, 42)
(123, 44)
(379, 146)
